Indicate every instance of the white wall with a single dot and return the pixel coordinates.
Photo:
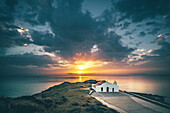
(93, 87)
(105, 85)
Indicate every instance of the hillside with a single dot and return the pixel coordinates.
(64, 98)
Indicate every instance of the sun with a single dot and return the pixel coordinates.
(81, 67)
(80, 72)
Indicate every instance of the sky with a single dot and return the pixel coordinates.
(48, 37)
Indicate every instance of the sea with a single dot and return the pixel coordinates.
(24, 86)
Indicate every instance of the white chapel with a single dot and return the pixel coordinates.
(104, 86)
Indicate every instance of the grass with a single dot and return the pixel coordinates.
(64, 98)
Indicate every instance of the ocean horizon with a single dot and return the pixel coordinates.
(157, 85)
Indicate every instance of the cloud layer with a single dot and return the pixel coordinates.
(62, 32)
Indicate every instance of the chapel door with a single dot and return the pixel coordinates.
(112, 89)
(101, 89)
(107, 89)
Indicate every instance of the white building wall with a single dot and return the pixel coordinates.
(105, 85)
(93, 87)
(116, 88)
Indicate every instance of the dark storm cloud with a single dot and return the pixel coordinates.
(112, 47)
(151, 23)
(125, 25)
(138, 10)
(159, 58)
(156, 26)
(6, 10)
(42, 38)
(130, 37)
(15, 65)
(161, 39)
(153, 31)
(9, 36)
(26, 59)
(127, 33)
(74, 30)
(142, 34)
(167, 20)
(139, 43)
(155, 14)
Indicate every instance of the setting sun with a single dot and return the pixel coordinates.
(80, 72)
(85, 66)
(81, 67)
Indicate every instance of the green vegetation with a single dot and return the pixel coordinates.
(64, 98)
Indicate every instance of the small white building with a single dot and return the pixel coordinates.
(104, 86)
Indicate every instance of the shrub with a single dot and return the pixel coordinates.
(75, 104)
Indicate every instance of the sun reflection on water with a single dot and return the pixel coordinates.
(80, 80)
(144, 84)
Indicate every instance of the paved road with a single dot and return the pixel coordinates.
(129, 103)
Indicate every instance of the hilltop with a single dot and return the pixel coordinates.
(64, 98)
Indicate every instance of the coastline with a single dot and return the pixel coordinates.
(66, 97)
(156, 99)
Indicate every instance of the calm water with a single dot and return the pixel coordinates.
(159, 85)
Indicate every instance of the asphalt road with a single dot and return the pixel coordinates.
(129, 103)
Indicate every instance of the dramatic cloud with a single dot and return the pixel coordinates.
(74, 30)
(158, 58)
(51, 34)
(142, 34)
(26, 59)
(143, 9)
(26, 63)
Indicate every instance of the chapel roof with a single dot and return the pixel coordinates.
(99, 83)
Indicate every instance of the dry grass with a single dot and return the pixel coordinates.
(64, 98)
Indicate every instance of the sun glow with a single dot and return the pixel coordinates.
(80, 80)
(80, 72)
(82, 67)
